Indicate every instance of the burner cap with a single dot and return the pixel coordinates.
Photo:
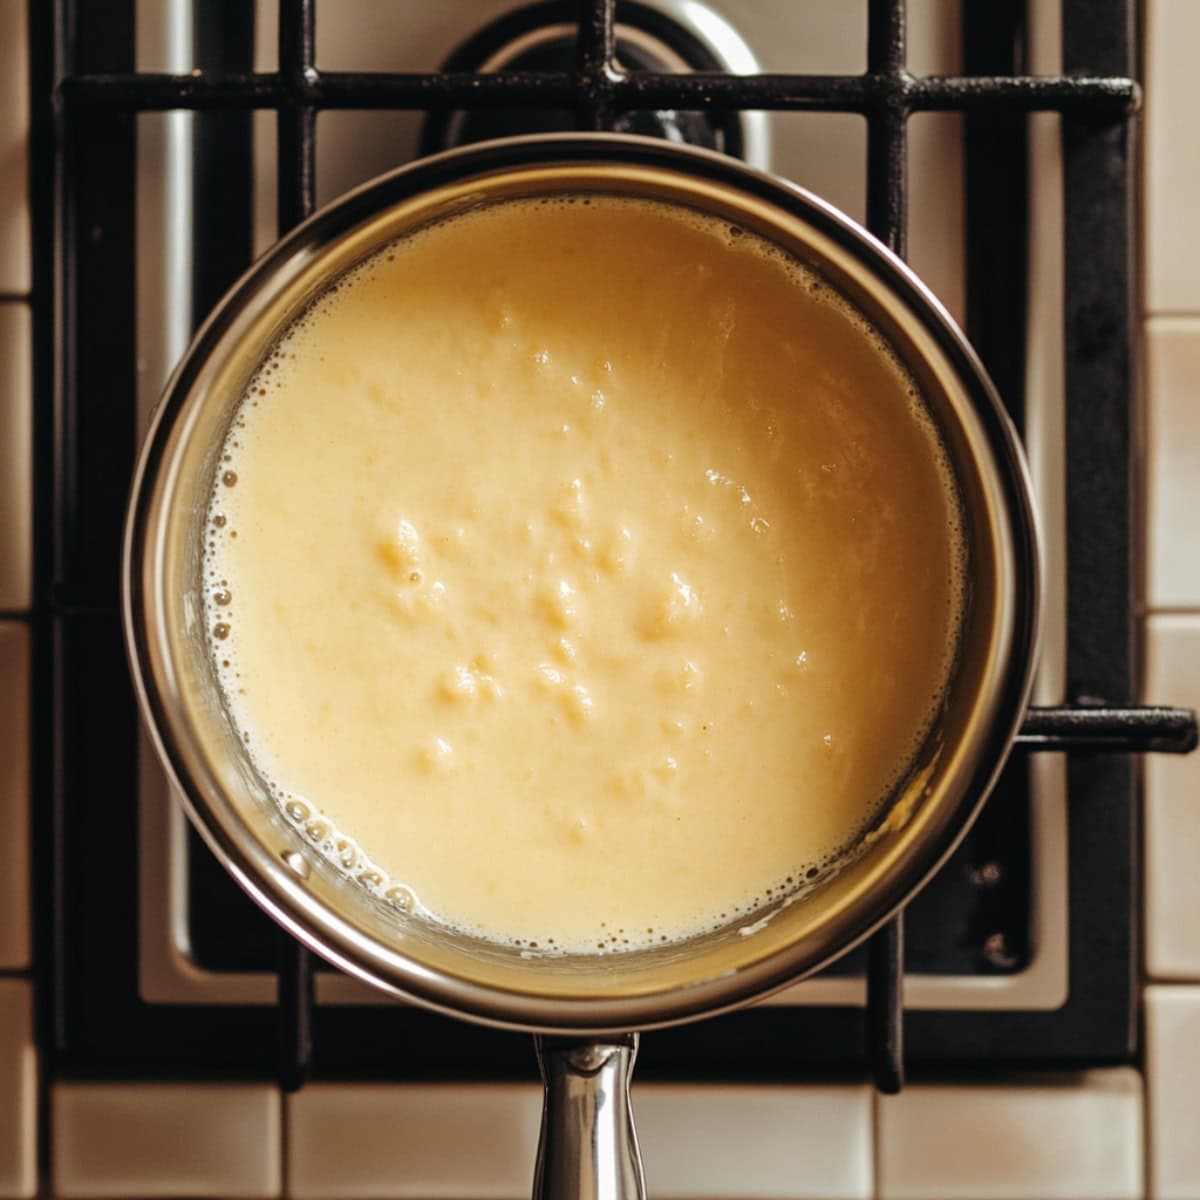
(541, 37)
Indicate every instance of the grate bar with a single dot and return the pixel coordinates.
(1100, 324)
(297, 198)
(886, 37)
(885, 1006)
(1103, 728)
(297, 116)
(595, 49)
(595, 45)
(996, 163)
(295, 1012)
(887, 177)
(1103, 98)
(887, 171)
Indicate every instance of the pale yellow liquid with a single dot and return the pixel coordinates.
(583, 573)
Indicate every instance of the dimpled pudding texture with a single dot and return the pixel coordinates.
(583, 573)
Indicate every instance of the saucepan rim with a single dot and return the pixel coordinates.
(283, 894)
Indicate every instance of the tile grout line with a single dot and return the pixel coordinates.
(875, 1106)
(1146, 1094)
(285, 1138)
(1143, 619)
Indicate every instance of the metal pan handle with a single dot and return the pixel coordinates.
(588, 1148)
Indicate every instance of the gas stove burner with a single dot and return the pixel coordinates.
(672, 36)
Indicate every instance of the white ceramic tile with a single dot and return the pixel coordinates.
(1079, 1139)
(1173, 1091)
(15, 260)
(14, 795)
(1172, 807)
(158, 1140)
(361, 1142)
(1172, 166)
(755, 1143)
(18, 1091)
(1173, 461)
(356, 1142)
(16, 453)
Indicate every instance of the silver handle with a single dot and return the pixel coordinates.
(588, 1148)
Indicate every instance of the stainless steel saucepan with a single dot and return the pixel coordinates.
(586, 1010)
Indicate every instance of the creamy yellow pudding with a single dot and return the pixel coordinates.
(583, 572)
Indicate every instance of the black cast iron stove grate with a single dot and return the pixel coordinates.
(86, 97)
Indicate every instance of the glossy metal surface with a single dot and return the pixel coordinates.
(588, 1148)
(398, 952)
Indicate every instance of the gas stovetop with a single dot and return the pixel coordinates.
(231, 123)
